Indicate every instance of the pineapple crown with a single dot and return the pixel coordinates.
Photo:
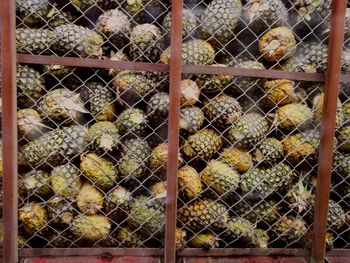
(301, 195)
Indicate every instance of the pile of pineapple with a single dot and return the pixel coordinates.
(93, 143)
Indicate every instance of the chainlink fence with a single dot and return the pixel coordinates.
(93, 143)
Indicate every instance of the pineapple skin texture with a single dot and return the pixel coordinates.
(91, 227)
(33, 217)
(190, 182)
(65, 181)
(239, 160)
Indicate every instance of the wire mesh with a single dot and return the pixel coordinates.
(93, 143)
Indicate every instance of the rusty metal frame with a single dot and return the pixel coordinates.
(332, 78)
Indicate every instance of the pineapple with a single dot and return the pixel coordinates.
(91, 228)
(219, 20)
(180, 235)
(142, 11)
(239, 160)
(189, 92)
(118, 56)
(318, 103)
(128, 238)
(101, 100)
(341, 164)
(265, 14)
(205, 213)
(189, 181)
(158, 107)
(220, 177)
(32, 12)
(133, 86)
(290, 228)
(277, 44)
(136, 10)
(293, 116)
(189, 23)
(37, 183)
(191, 119)
(33, 217)
(65, 181)
(30, 125)
(84, 5)
(311, 14)
(194, 52)
(115, 26)
(269, 151)
(346, 111)
(100, 171)
(299, 197)
(262, 212)
(259, 183)
(343, 138)
(78, 41)
(248, 130)
(34, 41)
(214, 83)
(89, 199)
(205, 240)
(280, 92)
(245, 83)
(145, 42)
(222, 111)
(61, 105)
(61, 211)
(118, 203)
(134, 158)
(159, 157)
(336, 215)
(132, 121)
(30, 86)
(202, 145)
(103, 136)
(158, 190)
(56, 17)
(54, 147)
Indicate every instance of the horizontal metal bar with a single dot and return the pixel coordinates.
(226, 252)
(92, 260)
(91, 63)
(245, 260)
(338, 253)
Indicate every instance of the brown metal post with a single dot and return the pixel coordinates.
(173, 134)
(336, 39)
(9, 126)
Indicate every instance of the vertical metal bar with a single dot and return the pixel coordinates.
(173, 131)
(9, 126)
(335, 47)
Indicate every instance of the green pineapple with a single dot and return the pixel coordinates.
(78, 41)
(293, 116)
(248, 130)
(62, 105)
(269, 151)
(103, 136)
(245, 83)
(336, 215)
(89, 199)
(134, 158)
(290, 228)
(30, 86)
(191, 119)
(202, 145)
(118, 203)
(205, 213)
(65, 181)
(189, 92)
(219, 20)
(210, 84)
(128, 238)
(33, 216)
(318, 102)
(277, 44)
(132, 121)
(91, 228)
(54, 147)
(133, 86)
(346, 111)
(239, 160)
(115, 26)
(189, 181)
(101, 100)
(194, 52)
(32, 12)
(205, 240)
(220, 177)
(343, 138)
(157, 108)
(145, 43)
(222, 111)
(262, 212)
(100, 171)
(34, 41)
(30, 125)
(258, 183)
(189, 23)
(61, 211)
(341, 164)
(36, 183)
